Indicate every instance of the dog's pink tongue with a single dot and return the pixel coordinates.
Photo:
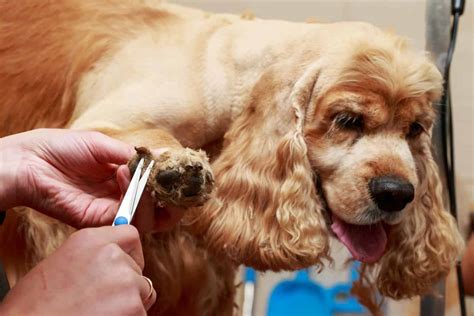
(365, 242)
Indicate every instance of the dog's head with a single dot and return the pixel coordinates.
(337, 144)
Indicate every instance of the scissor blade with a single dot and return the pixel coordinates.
(141, 187)
(129, 197)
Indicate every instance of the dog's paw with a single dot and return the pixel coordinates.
(180, 177)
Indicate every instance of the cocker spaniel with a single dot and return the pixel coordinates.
(313, 131)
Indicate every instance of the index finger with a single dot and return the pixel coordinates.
(106, 149)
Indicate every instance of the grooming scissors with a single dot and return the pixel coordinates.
(132, 196)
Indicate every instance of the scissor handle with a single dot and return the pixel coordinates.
(121, 220)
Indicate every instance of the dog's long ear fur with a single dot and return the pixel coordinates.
(266, 212)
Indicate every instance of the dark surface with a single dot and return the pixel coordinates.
(4, 286)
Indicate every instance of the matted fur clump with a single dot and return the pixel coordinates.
(183, 178)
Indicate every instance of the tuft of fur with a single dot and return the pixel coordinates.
(391, 69)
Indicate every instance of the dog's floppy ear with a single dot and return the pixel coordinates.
(425, 246)
(266, 212)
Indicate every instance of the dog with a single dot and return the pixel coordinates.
(313, 130)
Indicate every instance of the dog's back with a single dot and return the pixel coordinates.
(45, 47)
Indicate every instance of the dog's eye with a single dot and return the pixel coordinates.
(349, 121)
(415, 130)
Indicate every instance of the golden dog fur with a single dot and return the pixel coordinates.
(266, 95)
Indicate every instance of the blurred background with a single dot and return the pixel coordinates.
(273, 294)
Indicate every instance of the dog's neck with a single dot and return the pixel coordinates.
(236, 57)
(193, 83)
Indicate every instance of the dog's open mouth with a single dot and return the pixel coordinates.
(366, 243)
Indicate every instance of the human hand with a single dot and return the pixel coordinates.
(74, 176)
(97, 271)
(66, 174)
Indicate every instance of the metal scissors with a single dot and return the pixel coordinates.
(132, 196)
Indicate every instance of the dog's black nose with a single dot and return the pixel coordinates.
(391, 194)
